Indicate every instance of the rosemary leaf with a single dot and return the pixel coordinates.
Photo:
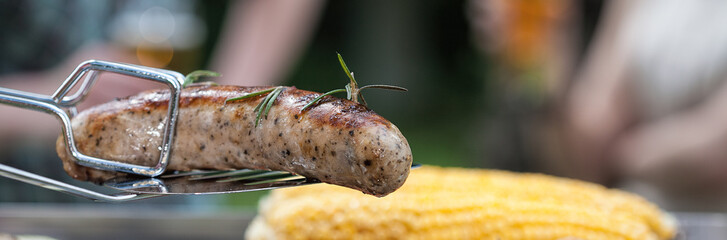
(315, 100)
(349, 93)
(382, 86)
(274, 95)
(345, 68)
(260, 107)
(250, 95)
(194, 76)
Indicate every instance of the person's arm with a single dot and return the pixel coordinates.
(598, 106)
(20, 122)
(15, 121)
(262, 38)
(680, 151)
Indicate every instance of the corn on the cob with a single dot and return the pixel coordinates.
(451, 203)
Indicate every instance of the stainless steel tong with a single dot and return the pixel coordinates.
(147, 181)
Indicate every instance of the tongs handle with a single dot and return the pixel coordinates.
(64, 108)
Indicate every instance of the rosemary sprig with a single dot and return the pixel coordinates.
(194, 76)
(249, 95)
(315, 100)
(353, 91)
(274, 95)
(263, 108)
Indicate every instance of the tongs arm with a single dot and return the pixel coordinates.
(31, 178)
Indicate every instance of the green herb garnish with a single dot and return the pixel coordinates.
(194, 76)
(263, 108)
(353, 92)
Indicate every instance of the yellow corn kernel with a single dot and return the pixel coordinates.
(453, 203)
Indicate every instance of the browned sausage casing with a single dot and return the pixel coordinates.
(337, 141)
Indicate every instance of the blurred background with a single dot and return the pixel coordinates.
(628, 94)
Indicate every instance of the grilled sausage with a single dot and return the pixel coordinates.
(337, 141)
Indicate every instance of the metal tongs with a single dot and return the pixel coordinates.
(148, 180)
